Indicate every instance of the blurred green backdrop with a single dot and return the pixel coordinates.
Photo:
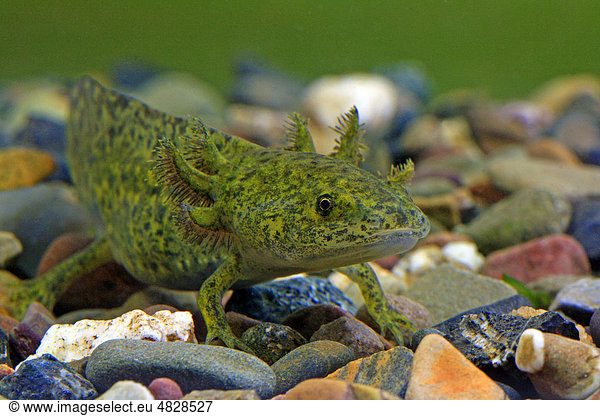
(506, 48)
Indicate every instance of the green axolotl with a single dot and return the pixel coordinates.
(184, 206)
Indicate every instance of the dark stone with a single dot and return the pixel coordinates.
(308, 320)
(271, 341)
(238, 323)
(578, 300)
(595, 327)
(46, 378)
(4, 350)
(275, 300)
(26, 336)
(511, 393)
(192, 366)
(132, 74)
(585, 228)
(354, 334)
(313, 360)
(420, 334)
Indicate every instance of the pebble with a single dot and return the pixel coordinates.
(127, 390)
(213, 394)
(259, 124)
(192, 366)
(324, 389)
(308, 320)
(108, 286)
(595, 327)
(4, 349)
(271, 341)
(387, 370)
(273, 301)
(46, 378)
(21, 167)
(37, 215)
(10, 247)
(579, 300)
(559, 367)
(512, 174)
(25, 338)
(442, 291)
(392, 282)
(351, 332)
(164, 388)
(585, 228)
(557, 94)
(313, 360)
(551, 255)
(440, 371)
(448, 209)
(237, 322)
(525, 215)
(5, 370)
(70, 342)
(552, 150)
(414, 311)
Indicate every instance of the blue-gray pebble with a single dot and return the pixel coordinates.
(46, 378)
(192, 366)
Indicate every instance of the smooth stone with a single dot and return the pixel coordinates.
(351, 332)
(522, 216)
(512, 174)
(552, 150)
(275, 300)
(10, 247)
(164, 388)
(127, 390)
(489, 339)
(308, 320)
(440, 371)
(25, 338)
(22, 167)
(449, 209)
(414, 311)
(192, 366)
(39, 214)
(442, 291)
(238, 323)
(324, 389)
(545, 256)
(585, 228)
(559, 93)
(387, 370)
(259, 124)
(70, 342)
(579, 127)
(108, 286)
(559, 367)
(212, 394)
(554, 284)
(46, 378)
(579, 300)
(313, 360)
(271, 341)
(595, 327)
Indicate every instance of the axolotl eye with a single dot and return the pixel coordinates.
(324, 204)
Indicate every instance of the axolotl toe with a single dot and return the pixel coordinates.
(185, 206)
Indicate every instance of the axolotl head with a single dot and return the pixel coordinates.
(294, 211)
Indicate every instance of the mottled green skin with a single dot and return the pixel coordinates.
(248, 214)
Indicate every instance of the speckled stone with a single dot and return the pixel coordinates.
(273, 301)
(21, 167)
(324, 389)
(271, 341)
(579, 300)
(442, 291)
(46, 378)
(527, 214)
(354, 334)
(164, 388)
(212, 394)
(551, 255)
(308, 320)
(192, 366)
(440, 371)
(127, 390)
(595, 327)
(4, 350)
(386, 370)
(313, 360)
(25, 338)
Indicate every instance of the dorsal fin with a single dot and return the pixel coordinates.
(297, 135)
(348, 145)
(402, 174)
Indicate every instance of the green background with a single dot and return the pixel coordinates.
(506, 48)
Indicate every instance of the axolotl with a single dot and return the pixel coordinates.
(185, 206)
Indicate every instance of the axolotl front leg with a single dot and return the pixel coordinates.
(379, 308)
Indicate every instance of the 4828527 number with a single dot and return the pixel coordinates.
(184, 406)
